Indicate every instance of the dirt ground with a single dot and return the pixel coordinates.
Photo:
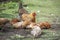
(25, 32)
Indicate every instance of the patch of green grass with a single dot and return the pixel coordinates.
(10, 9)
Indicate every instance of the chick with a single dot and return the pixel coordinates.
(17, 25)
(44, 25)
(31, 25)
(3, 21)
(14, 20)
(36, 31)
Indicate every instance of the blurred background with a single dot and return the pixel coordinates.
(46, 10)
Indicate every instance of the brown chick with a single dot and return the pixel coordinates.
(17, 25)
(3, 21)
(44, 25)
(21, 24)
(13, 21)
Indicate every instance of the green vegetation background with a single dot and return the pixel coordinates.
(47, 10)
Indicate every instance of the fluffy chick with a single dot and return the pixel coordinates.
(17, 25)
(31, 25)
(3, 21)
(36, 31)
(44, 25)
(14, 20)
